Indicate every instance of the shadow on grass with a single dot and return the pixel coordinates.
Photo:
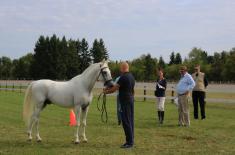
(24, 144)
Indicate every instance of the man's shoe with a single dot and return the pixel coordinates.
(125, 146)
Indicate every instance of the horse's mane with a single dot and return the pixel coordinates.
(87, 70)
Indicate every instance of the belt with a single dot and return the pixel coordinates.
(181, 94)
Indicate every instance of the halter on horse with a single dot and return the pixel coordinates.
(75, 93)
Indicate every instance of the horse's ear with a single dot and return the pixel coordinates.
(103, 62)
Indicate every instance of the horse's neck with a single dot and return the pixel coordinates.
(89, 77)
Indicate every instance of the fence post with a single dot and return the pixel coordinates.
(144, 93)
(20, 87)
(13, 86)
(6, 86)
(172, 95)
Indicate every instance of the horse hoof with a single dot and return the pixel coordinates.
(39, 140)
(29, 140)
(76, 142)
(85, 141)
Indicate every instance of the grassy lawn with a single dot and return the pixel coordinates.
(215, 135)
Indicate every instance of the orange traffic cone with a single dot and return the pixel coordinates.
(72, 118)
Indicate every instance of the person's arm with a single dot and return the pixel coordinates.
(115, 87)
(111, 89)
(163, 85)
(205, 82)
(191, 84)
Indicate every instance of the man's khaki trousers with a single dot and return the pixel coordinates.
(183, 108)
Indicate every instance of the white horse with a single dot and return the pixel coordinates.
(76, 93)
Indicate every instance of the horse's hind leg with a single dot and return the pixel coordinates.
(38, 138)
(34, 119)
(83, 124)
(30, 127)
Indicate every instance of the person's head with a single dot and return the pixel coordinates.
(197, 68)
(124, 67)
(160, 73)
(183, 70)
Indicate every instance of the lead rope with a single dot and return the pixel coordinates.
(102, 107)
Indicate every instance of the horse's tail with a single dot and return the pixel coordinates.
(28, 105)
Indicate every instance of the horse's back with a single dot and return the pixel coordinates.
(59, 93)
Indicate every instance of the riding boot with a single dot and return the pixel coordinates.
(159, 116)
(162, 117)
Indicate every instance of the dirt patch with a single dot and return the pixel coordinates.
(169, 135)
(189, 138)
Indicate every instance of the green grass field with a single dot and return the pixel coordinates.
(215, 135)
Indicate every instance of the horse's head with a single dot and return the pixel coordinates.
(105, 74)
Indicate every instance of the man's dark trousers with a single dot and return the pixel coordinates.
(127, 116)
(199, 96)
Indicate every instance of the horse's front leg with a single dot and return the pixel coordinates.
(83, 124)
(77, 109)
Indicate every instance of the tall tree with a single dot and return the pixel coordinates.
(172, 58)
(73, 61)
(178, 59)
(54, 51)
(63, 59)
(150, 67)
(84, 55)
(99, 51)
(5, 67)
(228, 72)
(161, 63)
(40, 63)
(217, 67)
(103, 49)
(96, 52)
(198, 56)
(21, 69)
(137, 67)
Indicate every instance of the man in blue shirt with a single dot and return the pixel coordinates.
(125, 85)
(184, 86)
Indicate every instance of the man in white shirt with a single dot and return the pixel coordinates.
(184, 86)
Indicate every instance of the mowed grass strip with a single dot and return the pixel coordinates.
(215, 135)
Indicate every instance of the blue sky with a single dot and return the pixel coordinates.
(129, 28)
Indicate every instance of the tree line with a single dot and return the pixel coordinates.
(54, 58)
(217, 67)
(62, 59)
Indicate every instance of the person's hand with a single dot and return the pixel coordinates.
(187, 93)
(105, 90)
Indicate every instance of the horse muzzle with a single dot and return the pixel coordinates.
(109, 83)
